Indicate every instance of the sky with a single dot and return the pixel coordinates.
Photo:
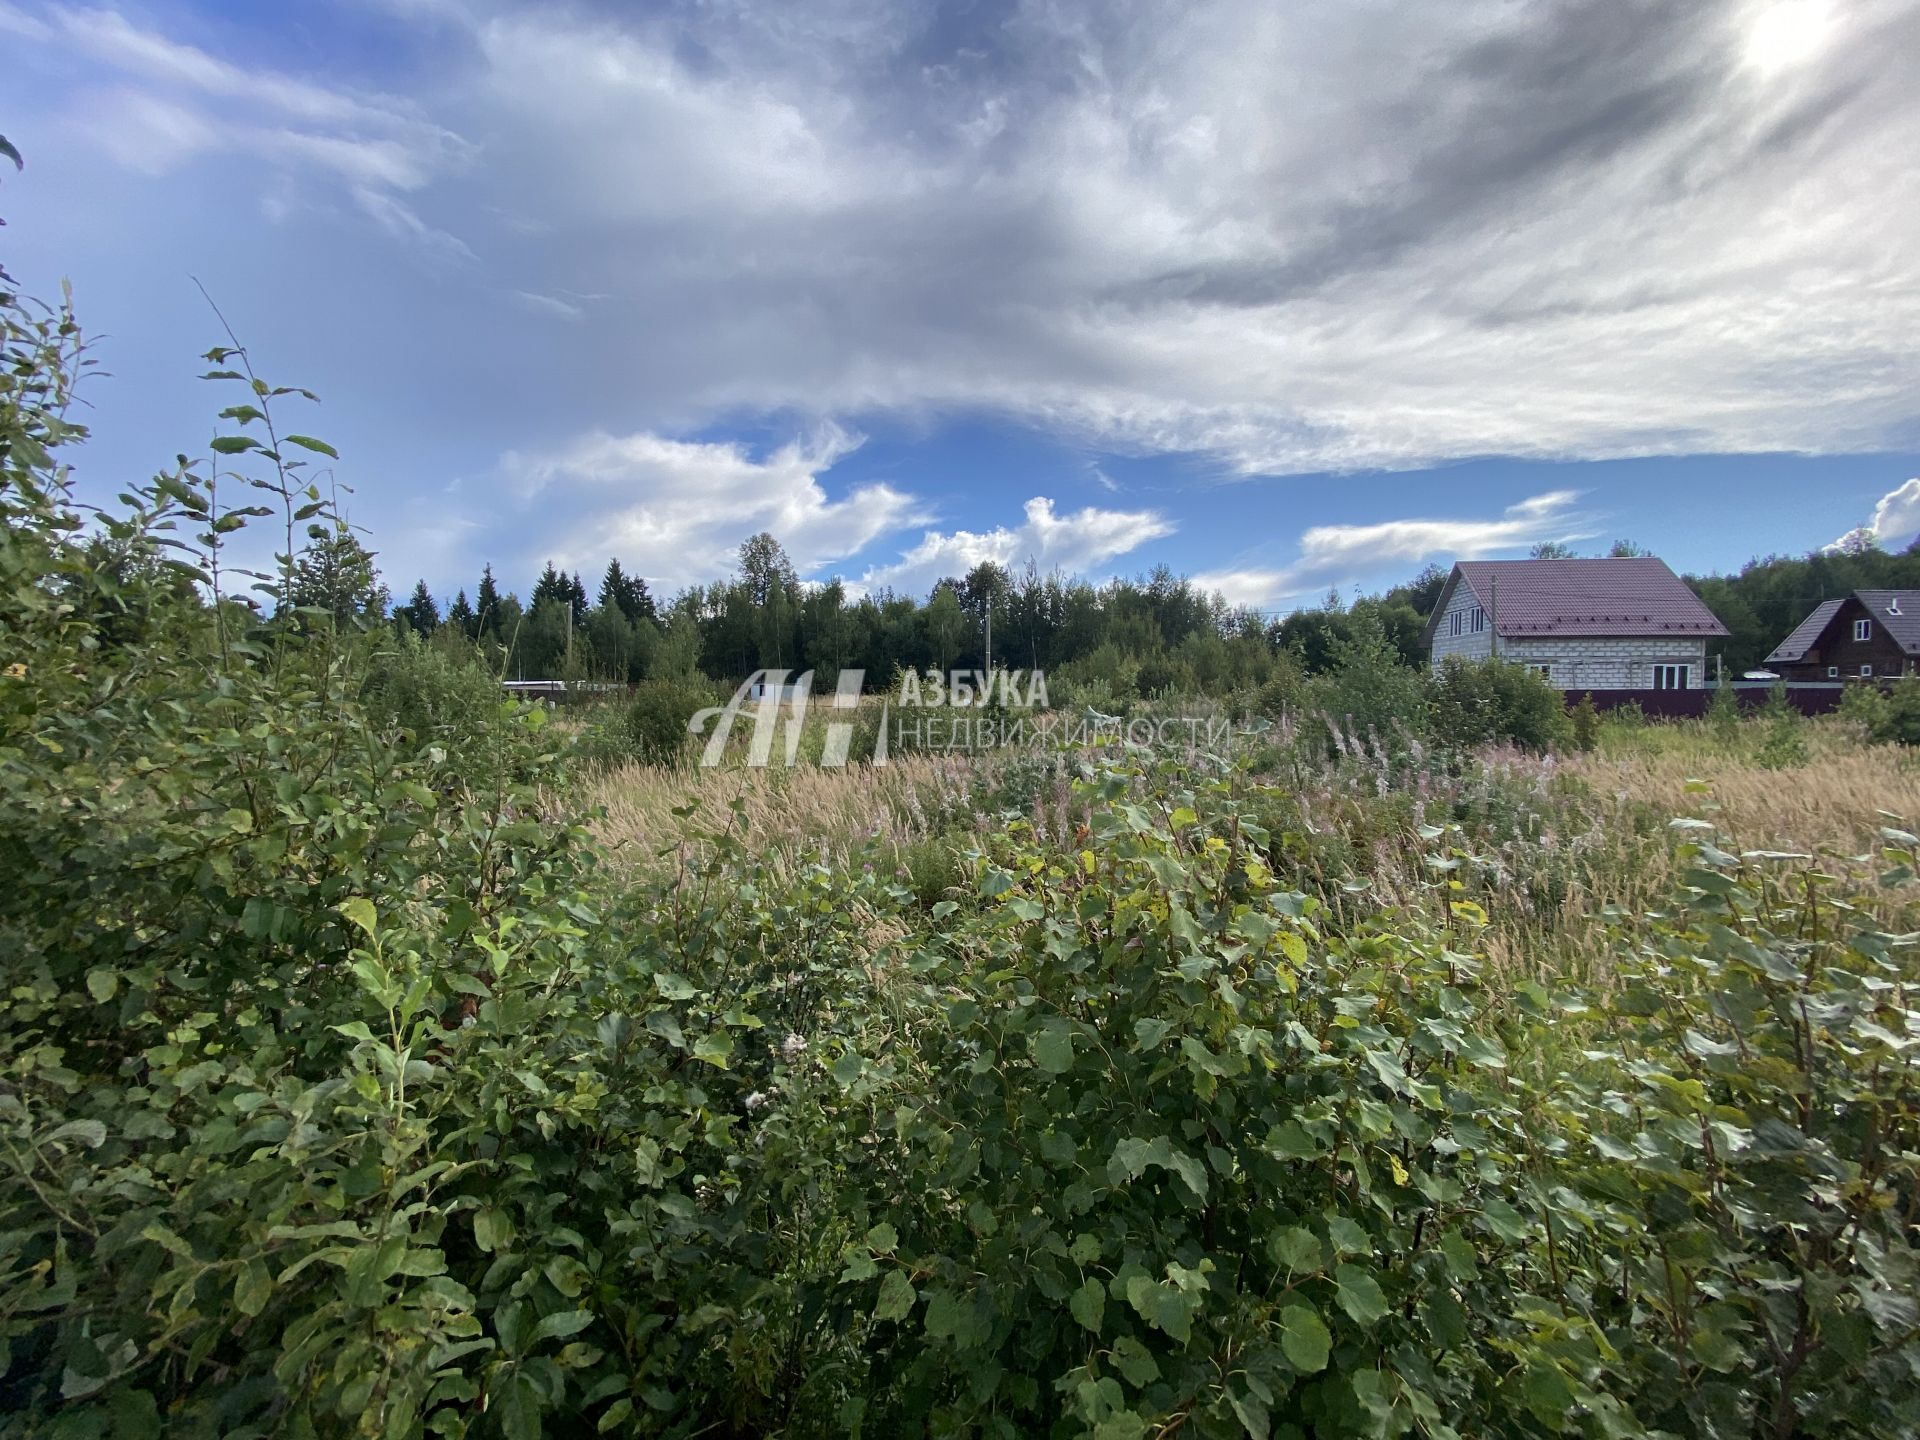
(1285, 297)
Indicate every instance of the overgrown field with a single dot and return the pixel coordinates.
(379, 1061)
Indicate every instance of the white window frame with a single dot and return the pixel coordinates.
(1479, 619)
(1863, 629)
(1672, 676)
(1833, 672)
(1457, 623)
(1866, 672)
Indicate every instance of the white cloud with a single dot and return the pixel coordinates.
(174, 103)
(675, 511)
(1292, 237)
(1565, 231)
(398, 219)
(553, 306)
(1338, 554)
(1077, 543)
(1895, 518)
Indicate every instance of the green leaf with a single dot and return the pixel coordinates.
(1304, 1338)
(234, 444)
(1135, 1362)
(1299, 1249)
(674, 987)
(319, 447)
(252, 1287)
(1359, 1294)
(1347, 1236)
(102, 983)
(1461, 1259)
(954, 1316)
(1163, 1305)
(716, 1049)
(360, 912)
(562, 1325)
(1088, 1304)
(883, 1239)
(1053, 1049)
(895, 1301)
(90, 1134)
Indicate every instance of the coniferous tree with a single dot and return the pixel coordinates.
(627, 593)
(460, 615)
(420, 614)
(335, 573)
(487, 605)
(576, 596)
(639, 601)
(551, 585)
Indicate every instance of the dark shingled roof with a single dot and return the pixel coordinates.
(1554, 598)
(1796, 645)
(1895, 611)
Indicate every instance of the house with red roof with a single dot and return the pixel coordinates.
(1619, 623)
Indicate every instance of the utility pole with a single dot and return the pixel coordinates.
(1493, 616)
(989, 642)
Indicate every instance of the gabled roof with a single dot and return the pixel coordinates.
(1895, 611)
(1796, 645)
(1633, 596)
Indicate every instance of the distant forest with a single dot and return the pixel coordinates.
(1152, 634)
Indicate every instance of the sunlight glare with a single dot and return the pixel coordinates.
(1787, 33)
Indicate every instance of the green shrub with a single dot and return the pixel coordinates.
(1585, 724)
(1784, 747)
(441, 694)
(1477, 702)
(1890, 715)
(1369, 692)
(658, 715)
(933, 868)
(1723, 714)
(342, 1102)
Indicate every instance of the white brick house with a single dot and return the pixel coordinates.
(1611, 624)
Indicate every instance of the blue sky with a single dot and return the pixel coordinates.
(1283, 297)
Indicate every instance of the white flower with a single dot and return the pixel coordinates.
(756, 1101)
(792, 1048)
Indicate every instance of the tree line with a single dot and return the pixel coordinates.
(1142, 636)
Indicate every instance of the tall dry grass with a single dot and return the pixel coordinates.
(776, 810)
(1835, 804)
(1548, 846)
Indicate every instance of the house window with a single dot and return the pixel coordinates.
(1866, 672)
(1545, 672)
(1863, 629)
(1479, 619)
(1456, 622)
(1670, 677)
(1833, 672)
